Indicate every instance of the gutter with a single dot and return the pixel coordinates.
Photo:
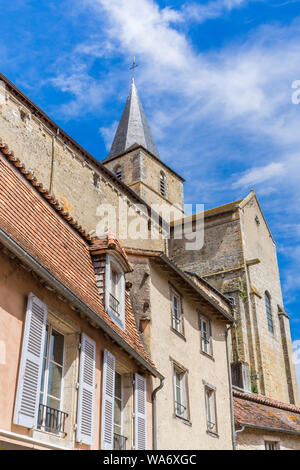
(267, 428)
(154, 419)
(233, 432)
(195, 287)
(46, 274)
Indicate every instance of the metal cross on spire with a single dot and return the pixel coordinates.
(133, 67)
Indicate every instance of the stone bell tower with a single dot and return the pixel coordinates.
(134, 159)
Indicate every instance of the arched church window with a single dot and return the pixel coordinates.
(163, 184)
(269, 312)
(118, 171)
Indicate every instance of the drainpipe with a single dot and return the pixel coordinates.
(154, 431)
(230, 386)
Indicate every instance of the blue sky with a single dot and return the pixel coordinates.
(215, 78)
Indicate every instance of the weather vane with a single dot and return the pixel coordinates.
(133, 67)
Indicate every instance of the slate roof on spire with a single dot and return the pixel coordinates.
(133, 127)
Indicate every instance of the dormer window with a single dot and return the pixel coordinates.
(118, 172)
(163, 184)
(115, 291)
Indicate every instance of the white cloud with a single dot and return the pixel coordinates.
(203, 12)
(260, 174)
(108, 133)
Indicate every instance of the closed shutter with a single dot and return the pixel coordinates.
(29, 382)
(108, 397)
(86, 393)
(140, 412)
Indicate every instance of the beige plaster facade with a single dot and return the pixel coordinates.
(168, 348)
(256, 439)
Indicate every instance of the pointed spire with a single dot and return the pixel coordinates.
(133, 127)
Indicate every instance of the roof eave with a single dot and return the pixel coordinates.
(22, 254)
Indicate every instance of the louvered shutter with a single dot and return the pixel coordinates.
(108, 396)
(140, 412)
(30, 371)
(86, 392)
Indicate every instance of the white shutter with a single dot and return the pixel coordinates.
(86, 393)
(140, 412)
(29, 382)
(108, 397)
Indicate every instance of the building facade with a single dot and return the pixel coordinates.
(184, 325)
(177, 303)
(74, 373)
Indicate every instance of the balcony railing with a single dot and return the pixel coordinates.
(51, 420)
(119, 442)
(114, 305)
(211, 426)
(180, 409)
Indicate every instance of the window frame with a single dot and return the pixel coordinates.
(174, 293)
(118, 171)
(184, 391)
(162, 184)
(212, 390)
(268, 307)
(204, 319)
(271, 443)
(121, 402)
(45, 393)
(112, 262)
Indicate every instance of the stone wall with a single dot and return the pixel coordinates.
(141, 173)
(239, 258)
(80, 185)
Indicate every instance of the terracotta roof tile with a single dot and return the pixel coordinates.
(38, 226)
(110, 243)
(260, 411)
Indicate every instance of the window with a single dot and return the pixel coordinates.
(118, 172)
(119, 439)
(206, 338)
(115, 291)
(177, 311)
(271, 445)
(180, 393)
(50, 416)
(210, 403)
(269, 312)
(124, 407)
(163, 184)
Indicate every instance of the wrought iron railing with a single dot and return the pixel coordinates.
(180, 409)
(51, 420)
(177, 323)
(119, 442)
(205, 343)
(114, 305)
(211, 426)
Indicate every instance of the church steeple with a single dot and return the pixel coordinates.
(133, 127)
(134, 159)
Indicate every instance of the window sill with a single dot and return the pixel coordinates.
(181, 335)
(183, 420)
(117, 320)
(213, 434)
(209, 356)
(46, 438)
